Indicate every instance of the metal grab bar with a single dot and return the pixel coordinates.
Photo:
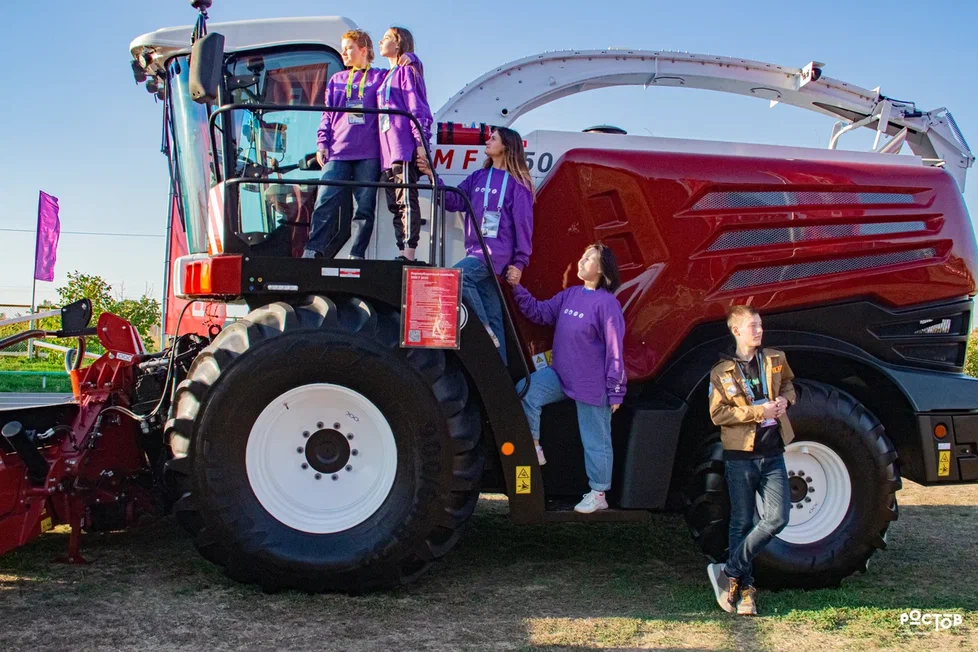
(274, 108)
(469, 213)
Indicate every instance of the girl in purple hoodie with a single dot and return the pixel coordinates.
(502, 200)
(348, 146)
(400, 141)
(588, 363)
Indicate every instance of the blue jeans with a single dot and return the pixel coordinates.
(768, 477)
(594, 422)
(479, 292)
(326, 213)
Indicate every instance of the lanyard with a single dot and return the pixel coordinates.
(502, 191)
(760, 373)
(349, 82)
(387, 86)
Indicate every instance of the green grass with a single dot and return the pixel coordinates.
(22, 363)
(35, 383)
(971, 365)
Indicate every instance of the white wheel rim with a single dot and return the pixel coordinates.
(282, 458)
(821, 494)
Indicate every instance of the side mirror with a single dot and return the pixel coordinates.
(206, 67)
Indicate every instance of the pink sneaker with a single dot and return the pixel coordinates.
(541, 460)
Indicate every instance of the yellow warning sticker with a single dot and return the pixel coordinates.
(522, 479)
(46, 523)
(944, 463)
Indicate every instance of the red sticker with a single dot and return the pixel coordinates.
(430, 314)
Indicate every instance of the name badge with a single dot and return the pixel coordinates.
(385, 122)
(490, 224)
(767, 423)
(355, 118)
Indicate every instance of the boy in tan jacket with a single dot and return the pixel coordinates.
(750, 391)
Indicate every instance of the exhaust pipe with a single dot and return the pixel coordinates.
(37, 467)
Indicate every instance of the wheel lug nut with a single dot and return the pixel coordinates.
(791, 474)
(354, 452)
(811, 490)
(320, 425)
(349, 436)
(305, 435)
(336, 426)
(802, 473)
(319, 476)
(798, 505)
(336, 477)
(299, 449)
(808, 480)
(807, 499)
(304, 466)
(349, 467)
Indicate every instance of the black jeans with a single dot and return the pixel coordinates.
(768, 477)
(404, 204)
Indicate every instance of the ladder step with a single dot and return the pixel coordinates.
(564, 514)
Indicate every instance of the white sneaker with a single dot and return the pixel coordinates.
(541, 460)
(308, 253)
(593, 501)
(721, 586)
(492, 336)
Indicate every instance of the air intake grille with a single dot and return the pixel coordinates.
(777, 198)
(760, 237)
(766, 275)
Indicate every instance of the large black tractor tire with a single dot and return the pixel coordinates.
(347, 344)
(833, 419)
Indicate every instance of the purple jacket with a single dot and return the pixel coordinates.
(587, 339)
(514, 241)
(407, 93)
(344, 141)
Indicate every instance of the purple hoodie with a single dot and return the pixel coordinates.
(407, 93)
(587, 339)
(344, 141)
(514, 241)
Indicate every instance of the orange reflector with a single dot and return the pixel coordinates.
(940, 431)
(508, 448)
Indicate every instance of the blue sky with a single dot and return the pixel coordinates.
(75, 125)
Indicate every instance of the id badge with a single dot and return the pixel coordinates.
(490, 224)
(385, 122)
(355, 118)
(767, 423)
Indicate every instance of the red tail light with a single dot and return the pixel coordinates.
(218, 276)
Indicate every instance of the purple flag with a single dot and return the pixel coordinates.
(48, 232)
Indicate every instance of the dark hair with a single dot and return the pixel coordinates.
(738, 312)
(610, 278)
(515, 159)
(404, 39)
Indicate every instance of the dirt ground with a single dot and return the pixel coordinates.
(505, 587)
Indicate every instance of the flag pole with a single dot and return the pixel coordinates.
(37, 237)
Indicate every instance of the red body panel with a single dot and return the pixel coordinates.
(904, 239)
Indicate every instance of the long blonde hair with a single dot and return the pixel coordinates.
(514, 159)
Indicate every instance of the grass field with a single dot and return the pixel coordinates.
(505, 587)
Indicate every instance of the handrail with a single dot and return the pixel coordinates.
(469, 213)
(226, 108)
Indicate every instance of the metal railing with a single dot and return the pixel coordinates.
(438, 221)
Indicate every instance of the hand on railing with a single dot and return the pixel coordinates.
(421, 160)
(513, 275)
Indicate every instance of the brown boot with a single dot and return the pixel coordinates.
(748, 602)
(733, 593)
